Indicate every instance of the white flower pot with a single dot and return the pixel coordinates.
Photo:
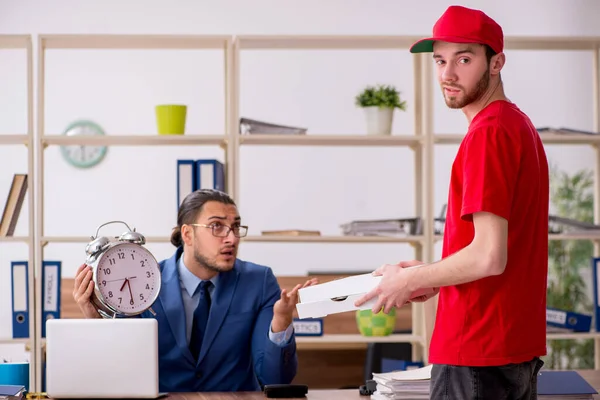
(379, 120)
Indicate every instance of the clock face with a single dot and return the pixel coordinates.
(83, 156)
(128, 278)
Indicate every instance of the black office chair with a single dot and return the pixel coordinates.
(376, 352)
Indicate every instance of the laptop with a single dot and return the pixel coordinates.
(102, 358)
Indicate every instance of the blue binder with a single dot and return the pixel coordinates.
(568, 320)
(20, 299)
(595, 277)
(186, 179)
(210, 174)
(51, 280)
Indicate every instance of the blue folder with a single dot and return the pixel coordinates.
(563, 383)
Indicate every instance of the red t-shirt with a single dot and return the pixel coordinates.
(501, 168)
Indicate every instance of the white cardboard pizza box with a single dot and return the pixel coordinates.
(339, 296)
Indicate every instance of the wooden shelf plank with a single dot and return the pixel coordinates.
(14, 41)
(335, 339)
(135, 140)
(13, 139)
(572, 335)
(332, 239)
(93, 41)
(14, 340)
(86, 239)
(317, 42)
(578, 236)
(329, 140)
(547, 138)
(401, 42)
(550, 43)
(14, 239)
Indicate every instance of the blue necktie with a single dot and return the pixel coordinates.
(200, 319)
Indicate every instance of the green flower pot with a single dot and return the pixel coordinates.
(379, 324)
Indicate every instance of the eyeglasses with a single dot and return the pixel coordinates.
(220, 230)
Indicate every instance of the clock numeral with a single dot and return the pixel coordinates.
(142, 262)
(107, 270)
(131, 301)
(120, 300)
(141, 296)
(110, 294)
(147, 286)
(121, 256)
(132, 257)
(112, 261)
(148, 274)
(104, 283)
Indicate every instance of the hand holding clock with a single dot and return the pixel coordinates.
(83, 290)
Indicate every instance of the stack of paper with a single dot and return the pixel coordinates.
(409, 384)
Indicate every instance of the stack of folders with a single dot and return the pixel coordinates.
(397, 385)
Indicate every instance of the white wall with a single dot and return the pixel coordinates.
(310, 188)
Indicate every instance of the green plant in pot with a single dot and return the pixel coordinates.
(571, 197)
(379, 103)
(380, 324)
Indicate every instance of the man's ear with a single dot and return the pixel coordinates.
(187, 236)
(497, 63)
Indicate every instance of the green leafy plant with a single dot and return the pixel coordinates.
(572, 197)
(382, 96)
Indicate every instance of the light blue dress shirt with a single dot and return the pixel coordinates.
(190, 295)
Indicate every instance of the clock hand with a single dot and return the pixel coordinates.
(131, 294)
(124, 283)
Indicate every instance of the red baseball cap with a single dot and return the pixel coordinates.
(463, 25)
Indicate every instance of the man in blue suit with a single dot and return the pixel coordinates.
(224, 324)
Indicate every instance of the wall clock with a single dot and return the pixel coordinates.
(83, 156)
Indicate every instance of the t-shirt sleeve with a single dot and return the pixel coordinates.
(490, 170)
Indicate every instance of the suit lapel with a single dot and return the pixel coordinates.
(170, 299)
(220, 305)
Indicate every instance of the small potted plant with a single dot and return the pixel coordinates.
(379, 103)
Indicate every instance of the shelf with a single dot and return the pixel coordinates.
(317, 42)
(401, 42)
(332, 239)
(13, 340)
(14, 139)
(551, 43)
(135, 140)
(87, 239)
(572, 335)
(13, 239)
(547, 138)
(14, 41)
(351, 341)
(133, 41)
(329, 140)
(579, 236)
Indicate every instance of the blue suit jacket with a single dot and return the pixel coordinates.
(236, 352)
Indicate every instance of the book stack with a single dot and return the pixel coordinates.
(409, 384)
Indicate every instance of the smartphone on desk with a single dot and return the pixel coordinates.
(284, 391)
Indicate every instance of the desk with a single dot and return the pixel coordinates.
(592, 376)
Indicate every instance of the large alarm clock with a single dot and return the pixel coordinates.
(126, 275)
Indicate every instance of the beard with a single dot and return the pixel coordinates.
(471, 96)
(210, 265)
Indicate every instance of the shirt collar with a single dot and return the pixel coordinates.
(190, 281)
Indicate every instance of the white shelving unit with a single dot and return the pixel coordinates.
(24, 42)
(422, 142)
(110, 42)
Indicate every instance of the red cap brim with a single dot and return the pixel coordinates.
(426, 45)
